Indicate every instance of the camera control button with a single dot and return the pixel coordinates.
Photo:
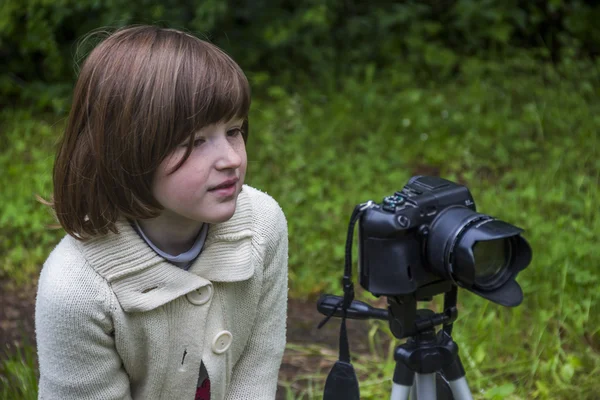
(389, 204)
(403, 221)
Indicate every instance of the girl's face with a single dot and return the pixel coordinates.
(205, 188)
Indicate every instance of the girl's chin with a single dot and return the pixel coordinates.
(221, 219)
(221, 215)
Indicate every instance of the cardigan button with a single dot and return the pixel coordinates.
(221, 342)
(200, 296)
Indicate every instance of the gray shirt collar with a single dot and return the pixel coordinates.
(183, 260)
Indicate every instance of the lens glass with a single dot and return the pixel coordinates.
(491, 260)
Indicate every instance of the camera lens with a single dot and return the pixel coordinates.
(479, 253)
(492, 258)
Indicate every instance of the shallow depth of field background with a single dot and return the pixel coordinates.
(350, 100)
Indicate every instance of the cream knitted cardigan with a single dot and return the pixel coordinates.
(116, 321)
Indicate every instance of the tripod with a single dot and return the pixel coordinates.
(426, 358)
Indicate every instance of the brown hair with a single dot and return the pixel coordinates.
(140, 93)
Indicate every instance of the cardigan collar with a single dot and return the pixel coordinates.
(143, 280)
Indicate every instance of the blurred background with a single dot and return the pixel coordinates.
(351, 99)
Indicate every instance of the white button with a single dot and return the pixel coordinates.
(200, 296)
(221, 342)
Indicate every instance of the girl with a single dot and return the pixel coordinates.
(171, 282)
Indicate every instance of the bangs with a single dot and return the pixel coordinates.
(211, 88)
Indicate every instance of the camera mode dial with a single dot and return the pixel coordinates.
(390, 203)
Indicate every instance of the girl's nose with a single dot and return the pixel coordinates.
(229, 157)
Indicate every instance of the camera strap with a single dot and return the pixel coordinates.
(341, 383)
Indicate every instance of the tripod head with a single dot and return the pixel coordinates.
(425, 352)
(402, 315)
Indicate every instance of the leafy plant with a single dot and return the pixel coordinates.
(294, 41)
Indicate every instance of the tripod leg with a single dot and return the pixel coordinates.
(460, 389)
(455, 374)
(402, 382)
(425, 386)
(399, 392)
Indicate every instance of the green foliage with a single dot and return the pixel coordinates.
(293, 41)
(26, 161)
(18, 375)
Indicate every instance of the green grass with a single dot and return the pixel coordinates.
(18, 375)
(521, 135)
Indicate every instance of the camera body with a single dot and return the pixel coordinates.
(393, 235)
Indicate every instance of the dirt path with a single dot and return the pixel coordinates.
(311, 351)
(16, 316)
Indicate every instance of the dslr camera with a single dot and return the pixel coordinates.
(429, 233)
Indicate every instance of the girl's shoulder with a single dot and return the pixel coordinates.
(263, 203)
(66, 261)
(268, 216)
(67, 278)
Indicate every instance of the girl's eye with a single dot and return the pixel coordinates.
(234, 132)
(199, 141)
